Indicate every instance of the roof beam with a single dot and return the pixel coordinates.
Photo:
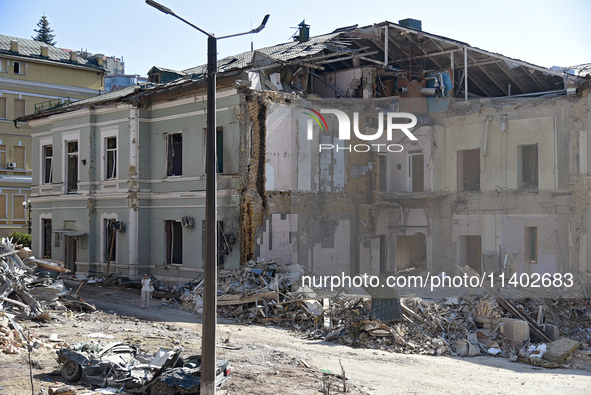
(490, 77)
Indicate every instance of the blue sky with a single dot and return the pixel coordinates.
(542, 32)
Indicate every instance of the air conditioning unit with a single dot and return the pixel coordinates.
(187, 222)
(11, 165)
(119, 226)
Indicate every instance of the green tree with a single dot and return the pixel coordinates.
(44, 32)
(21, 238)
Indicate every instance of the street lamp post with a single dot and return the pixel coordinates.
(208, 340)
(27, 206)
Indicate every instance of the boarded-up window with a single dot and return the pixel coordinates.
(72, 167)
(18, 209)
(2, 206)
(2, 108)
(19, 157)
(2, 156)
(19, 108)
(174, 144)
(47, 164)
(3, 66)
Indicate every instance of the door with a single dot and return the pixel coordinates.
(71, 253)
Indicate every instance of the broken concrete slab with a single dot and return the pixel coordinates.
(515, 330)
(466, 349)
(559, 350)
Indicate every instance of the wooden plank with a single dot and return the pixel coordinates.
(231, 300)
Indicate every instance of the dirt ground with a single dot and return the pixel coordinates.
(267, 360)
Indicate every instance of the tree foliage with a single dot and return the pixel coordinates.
(21, 238)
(44, 32)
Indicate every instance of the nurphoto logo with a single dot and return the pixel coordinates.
(392, 123)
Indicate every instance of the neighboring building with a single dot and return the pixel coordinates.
(114, 82)
(497, 178)
(33, 76)
(115, 77)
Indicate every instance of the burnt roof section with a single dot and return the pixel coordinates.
(32, 49)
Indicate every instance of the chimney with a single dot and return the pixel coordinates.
(73, 56)
(44, 51)
(99, 57)
(14, 46)
(303, 32)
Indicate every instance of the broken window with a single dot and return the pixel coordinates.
(470, 252)
(174, 242)
(416, 172)
(111, 158)
(46, 238)
(2, 108)
(531, 244)
(110, 240)
(529, 166)
(411, 251)
(72, 166)
(47, 164)
(19, 108)
(469, 170)
(174, 143)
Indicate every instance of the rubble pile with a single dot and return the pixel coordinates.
(29, 289)
(461, 326)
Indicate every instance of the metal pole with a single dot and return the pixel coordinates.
(465, 73)
(208, 357)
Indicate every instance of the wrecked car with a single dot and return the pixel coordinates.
(123, 367)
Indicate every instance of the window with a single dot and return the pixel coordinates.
(17, 68)
(3, 156)
(19, 108)
(19, 157)
(3, 206)
(529, 167)
(18, 209)
(416, 172)
(47, 164)
(469, 170)
(46, 238)
(383, 172)
(3, 108)
(174, 143)
(531, 244)
(111, 159)
(174, 242)
(154, 78)
(72, 166)
(219, 150)
(110, 240)
(3, 66)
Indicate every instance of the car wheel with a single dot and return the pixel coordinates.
(161, 388)
(71, 371)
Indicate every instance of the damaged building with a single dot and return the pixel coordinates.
(493, 175)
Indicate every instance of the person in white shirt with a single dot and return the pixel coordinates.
(146, 289)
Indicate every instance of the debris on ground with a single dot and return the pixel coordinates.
(461, 326)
